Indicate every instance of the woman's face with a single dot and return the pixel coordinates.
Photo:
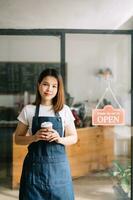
(48, 89)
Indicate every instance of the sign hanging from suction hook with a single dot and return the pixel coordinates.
(108, 115)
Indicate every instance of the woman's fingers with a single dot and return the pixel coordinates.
(40, 135)
(49, 136)
(54, 137)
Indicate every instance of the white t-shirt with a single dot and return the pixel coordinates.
(28, 112)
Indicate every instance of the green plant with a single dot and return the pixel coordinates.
(122, 176)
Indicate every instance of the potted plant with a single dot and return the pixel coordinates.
(122, 180)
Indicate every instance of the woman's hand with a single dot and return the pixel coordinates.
(53, 136)
(41, 134)
(47, 135)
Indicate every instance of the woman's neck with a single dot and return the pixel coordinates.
(46, 103)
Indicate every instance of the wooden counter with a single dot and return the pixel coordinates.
(93, 151)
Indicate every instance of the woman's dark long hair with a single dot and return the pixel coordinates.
(59, 100)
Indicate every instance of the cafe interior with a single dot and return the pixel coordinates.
(90, 43)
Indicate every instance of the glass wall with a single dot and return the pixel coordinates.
(22, 58)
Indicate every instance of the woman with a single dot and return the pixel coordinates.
(46, 173)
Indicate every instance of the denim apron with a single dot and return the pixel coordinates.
(46, 173)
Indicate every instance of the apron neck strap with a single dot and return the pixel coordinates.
(37, 110)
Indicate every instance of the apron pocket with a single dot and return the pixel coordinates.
(59, 173)
(40, 174)
(51, 174)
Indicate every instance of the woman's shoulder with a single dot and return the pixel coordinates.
(66, 109)
(66, 114)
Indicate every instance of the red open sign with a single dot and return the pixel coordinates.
(108, 116)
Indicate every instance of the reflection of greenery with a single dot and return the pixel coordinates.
(79, 112)
(123, 176)
(104, 103)
(87, 121)
(69, 99)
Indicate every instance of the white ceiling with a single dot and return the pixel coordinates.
(82, 14)
(127, 25)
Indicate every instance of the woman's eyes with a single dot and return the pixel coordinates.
(54, 86)
(45, 84)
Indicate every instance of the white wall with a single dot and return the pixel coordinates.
(30, 48)
(86, 54)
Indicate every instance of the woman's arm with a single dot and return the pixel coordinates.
(23, 138)
(20, 135)
(70, 136)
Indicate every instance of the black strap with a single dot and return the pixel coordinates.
(37, 110)
(36, 116)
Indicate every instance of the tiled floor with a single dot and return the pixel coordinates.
(92, 187)
(96, 186)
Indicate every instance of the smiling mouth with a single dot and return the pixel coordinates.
(48, 94)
